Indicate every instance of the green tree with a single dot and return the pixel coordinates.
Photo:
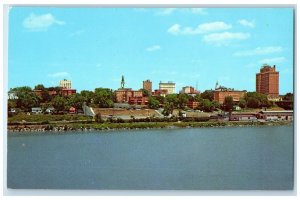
(198, 98)
(153, 103)
(288, 97)
(59, 103)
(182, 100)
(87, 95)
(146, 93)
(242, 103)
(216, 104)
(261, 100)
(104, 97)
(168, 109)
(207, 95)
(253, 102)
(76, 101)
(228, 103)
(26, 98)
(207, 105)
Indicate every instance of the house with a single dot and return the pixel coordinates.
(36, 110)
(50, 110)
(276, 115)
(72, 110)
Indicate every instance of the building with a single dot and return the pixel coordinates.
(193, 104)
(221, 92)
(189, 90)
(138, 100)
(123, 94)
(267, 81)
(147, 85)
(160, 93)
(68, 92)
(169, 86)
(243, 117)
(65, 84)
(12, 95)
(276, 115)
(53, 92)
(36, 110)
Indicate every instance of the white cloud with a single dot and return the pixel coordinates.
(40, 22)
(259, 51)
(166, 11)
(225, 38)
(200, 29)
(247, 23)
(169, 11)
(59, 74)
(153, 48)
(273, 60)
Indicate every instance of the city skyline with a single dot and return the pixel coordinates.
(94, 47)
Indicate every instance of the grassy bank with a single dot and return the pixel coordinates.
(39, 118)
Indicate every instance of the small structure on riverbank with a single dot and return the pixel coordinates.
(276, 115)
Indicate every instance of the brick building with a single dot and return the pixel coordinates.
(138, 100)
(189, 90)
(193, 104)
(267, 81)
(123, 94)
(62, 92)
(160, 93)
(221, 92)
(147, 85)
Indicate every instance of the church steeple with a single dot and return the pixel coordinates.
(122, 82)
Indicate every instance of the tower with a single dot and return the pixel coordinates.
(267, 81)
(122, 82)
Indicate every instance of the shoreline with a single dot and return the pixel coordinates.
(104, 127)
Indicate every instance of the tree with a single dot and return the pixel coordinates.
(104, 97)
(207, 105)
(288, 97)
(168, 109)
(228, 103)
(207, 95)
(39, 87)
(59, 103)
(76, 101)
(253, 102)
(216, 104)
(256, 100)
(242, 103)
(182, 100)
(87, 95)
(153, 103)
(146, 93)
(172, 100)
(26, 98)
(198, 98)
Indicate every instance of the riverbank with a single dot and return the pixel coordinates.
(138, 125)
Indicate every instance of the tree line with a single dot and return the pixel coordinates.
(105, 98)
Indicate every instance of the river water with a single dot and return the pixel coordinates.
(255, 158)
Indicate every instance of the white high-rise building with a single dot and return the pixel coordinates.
(65, 84)
(169, 86)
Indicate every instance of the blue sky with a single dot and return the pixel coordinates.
(197, 47)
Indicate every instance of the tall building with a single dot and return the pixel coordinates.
(65, 84)
(267, 81)
(169, 86)
(147, 85)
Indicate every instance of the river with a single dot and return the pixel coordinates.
(235, 158)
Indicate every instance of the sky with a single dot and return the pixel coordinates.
(94, 47)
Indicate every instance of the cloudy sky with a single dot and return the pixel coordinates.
(197, 47)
